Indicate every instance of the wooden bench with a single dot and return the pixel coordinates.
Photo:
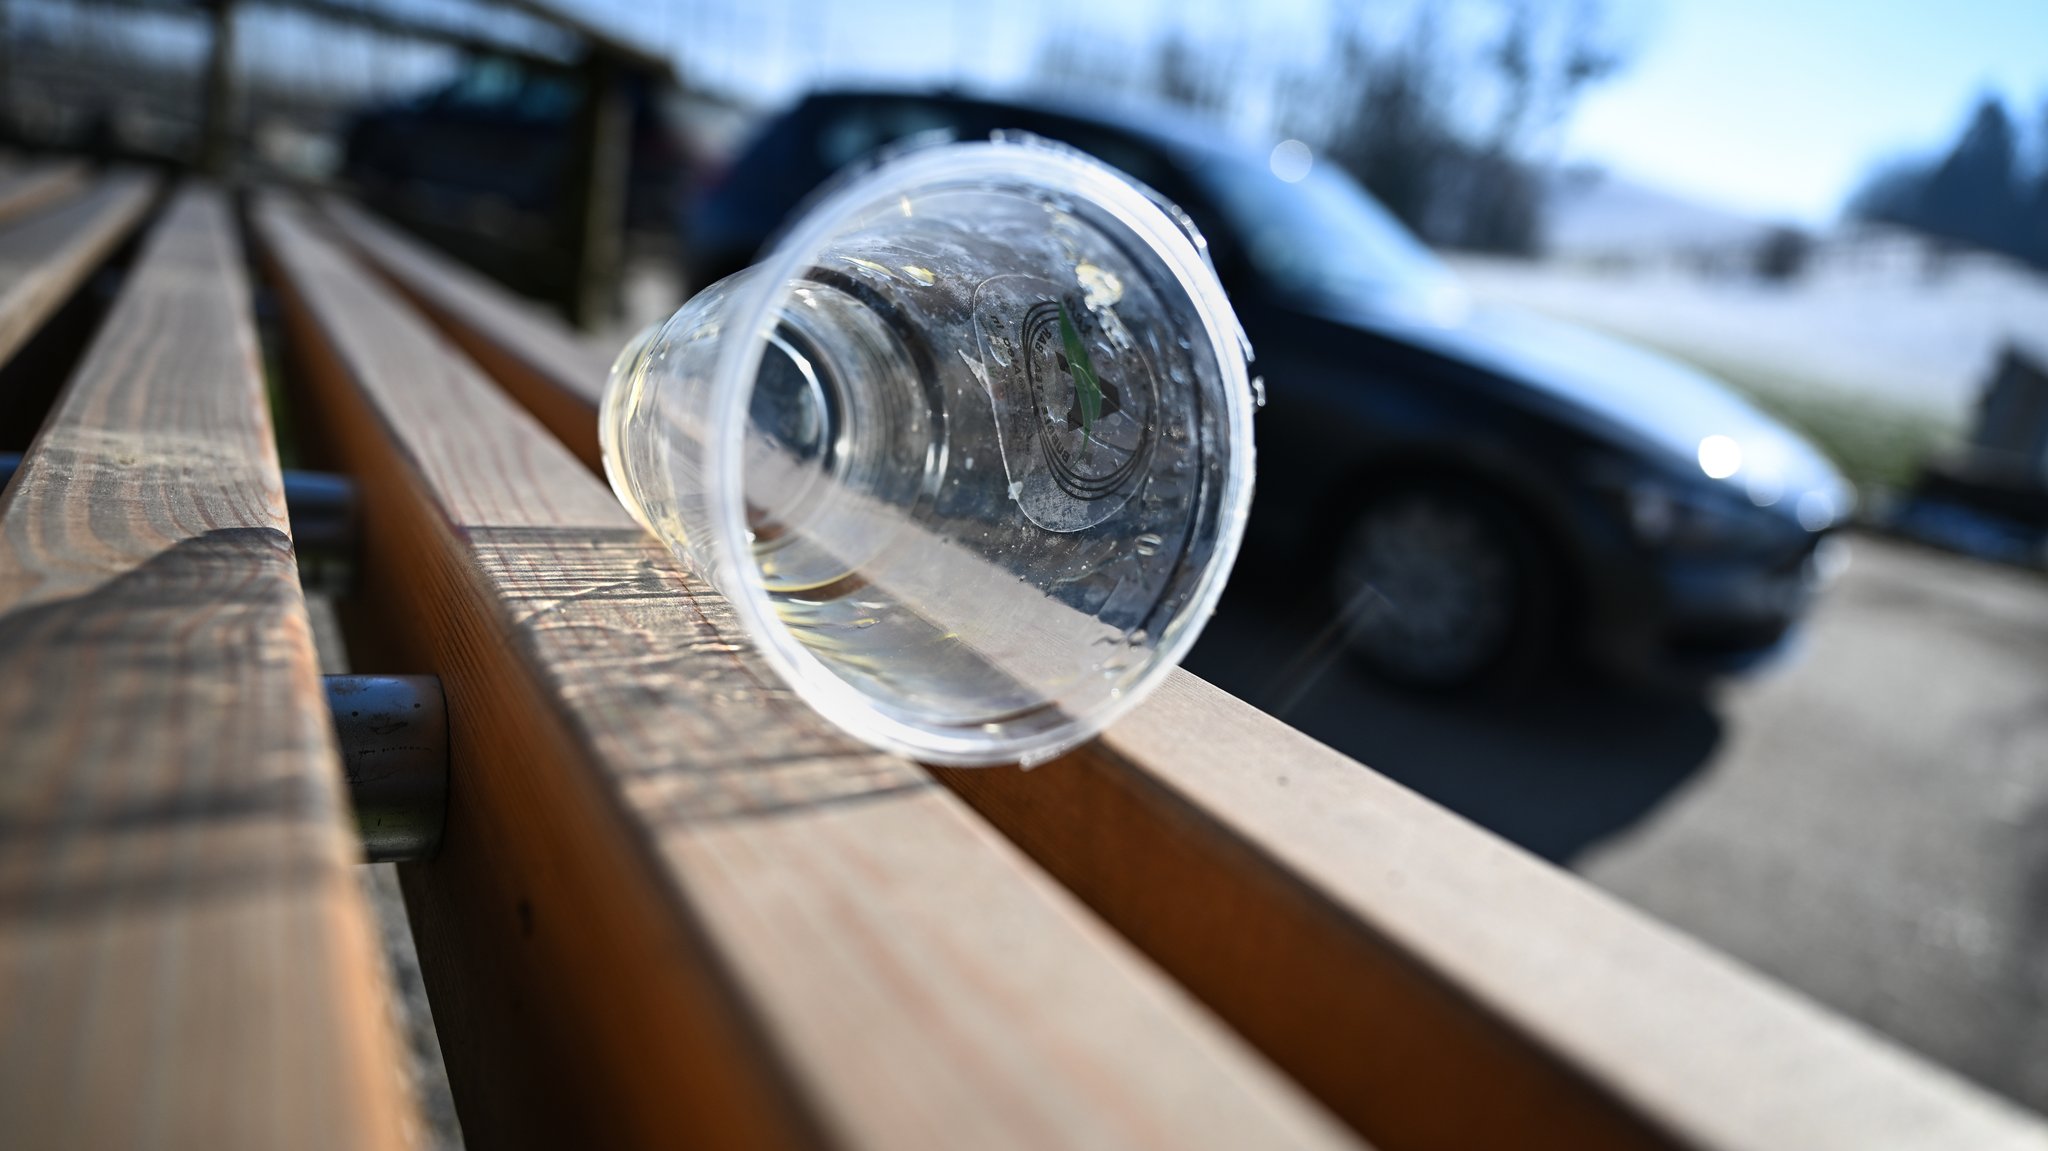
(184, 956)
(672, 906)
(26, 186)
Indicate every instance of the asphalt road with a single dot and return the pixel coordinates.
(1867, 822)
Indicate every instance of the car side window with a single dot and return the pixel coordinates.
(484, 84)
(1154, 170)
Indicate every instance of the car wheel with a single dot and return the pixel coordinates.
(1437, 585)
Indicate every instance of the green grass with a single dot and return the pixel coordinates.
(1877, 443)
(1874, 443)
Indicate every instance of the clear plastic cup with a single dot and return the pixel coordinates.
(970, 451)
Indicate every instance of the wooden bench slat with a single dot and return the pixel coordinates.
(24, 188)
(548, 368)
(1429, 982)
(1476, 963)
(44, 257)
(185, 957)
(672, 904)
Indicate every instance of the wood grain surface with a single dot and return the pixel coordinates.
(26, 187)
(185, 958)
(46, 254)
(673, 906)
(551, 369)
(1431, 984)
(1434, 984)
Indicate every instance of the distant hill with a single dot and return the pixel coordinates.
(1595, 216)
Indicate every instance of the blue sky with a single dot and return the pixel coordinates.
(1779, 108)
(1775, 107)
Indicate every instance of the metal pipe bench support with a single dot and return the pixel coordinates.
(393, 731)
(321, 505)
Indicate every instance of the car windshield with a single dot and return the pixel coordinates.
(1321, 234)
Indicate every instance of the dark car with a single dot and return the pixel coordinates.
(484, 165)
(1471, 487)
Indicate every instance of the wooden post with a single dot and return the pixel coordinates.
(216, 140)
(595, 199)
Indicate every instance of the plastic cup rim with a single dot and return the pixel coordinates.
(1012, 158)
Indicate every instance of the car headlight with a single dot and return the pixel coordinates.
(1685, 517)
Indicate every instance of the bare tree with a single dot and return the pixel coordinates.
(1393, 108)
(1189, 77)
(1389, 115)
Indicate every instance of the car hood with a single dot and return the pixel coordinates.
(1628, 389)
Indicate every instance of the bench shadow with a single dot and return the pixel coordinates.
(1555, 768)
(122, 764)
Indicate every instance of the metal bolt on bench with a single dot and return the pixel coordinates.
(393, 731)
